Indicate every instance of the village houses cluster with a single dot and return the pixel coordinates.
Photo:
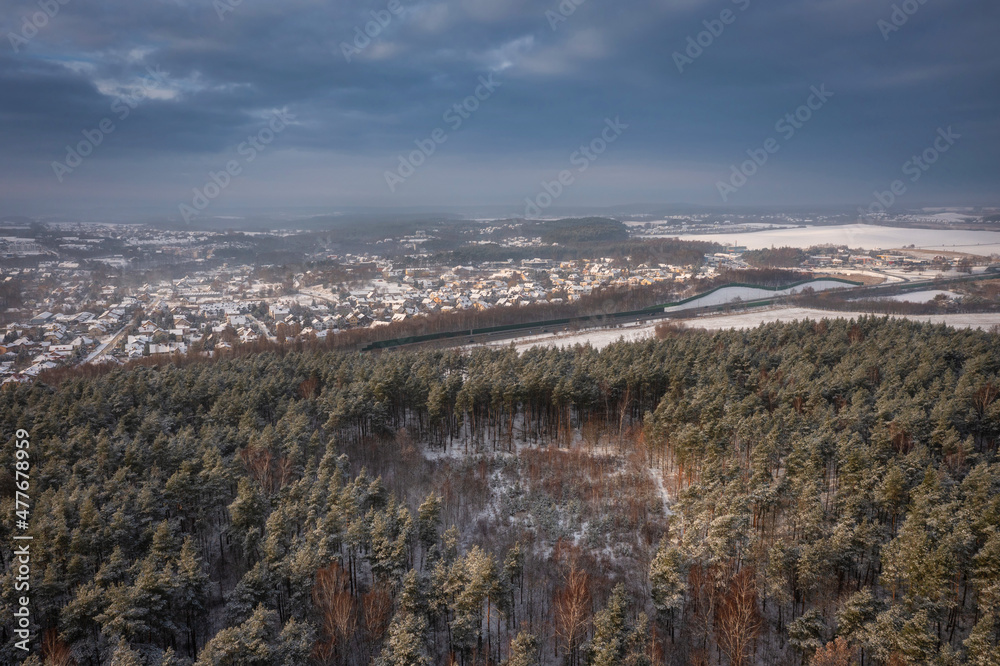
(219, 308)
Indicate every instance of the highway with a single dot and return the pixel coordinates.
(540, 328)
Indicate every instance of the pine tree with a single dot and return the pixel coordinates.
(987, 573)
(247, 515)
(429, 518)
(523, 650)
(981, 646)
(124, 655)
(114, 570)
(667, 581)
(169, 658)
(805, 634)
(190, 590)
(249, 644)
(294, 644)
(475, 577)
(391, 531)
(406, 645)
(608, 644)
(614, 643)
(138, 611)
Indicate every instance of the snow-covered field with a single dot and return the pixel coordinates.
(921, 296)
(602, 337)
(752, 319)
(948, 217)
(868, 237)
(730, 294)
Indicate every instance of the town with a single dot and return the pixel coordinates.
(103, 293)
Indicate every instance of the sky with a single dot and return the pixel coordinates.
(186, 108)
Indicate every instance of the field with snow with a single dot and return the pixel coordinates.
(864, 236)
(920, 296)
(729, 294)
(602, 337)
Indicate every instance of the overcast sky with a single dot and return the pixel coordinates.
(224, 72)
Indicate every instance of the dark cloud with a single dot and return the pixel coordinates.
(221, 78)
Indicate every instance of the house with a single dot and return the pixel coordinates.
(61, 350)
(248, 335)
(178, 347)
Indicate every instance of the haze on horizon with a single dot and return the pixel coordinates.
(198, 79)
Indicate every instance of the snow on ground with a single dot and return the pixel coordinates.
(602, 337)
(597, 337)
(920, 296)
(927, 274)
(729, 294)
(861, 272)
(661, 488)
(868, 237)
(753, 319)
(948, 217)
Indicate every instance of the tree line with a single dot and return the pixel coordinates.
(834, 498)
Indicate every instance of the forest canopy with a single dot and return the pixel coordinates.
(823, 493)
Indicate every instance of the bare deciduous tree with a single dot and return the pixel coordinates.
(572, 607)
(738, 620)
(377, 608)
(54, 651)
(338, 609)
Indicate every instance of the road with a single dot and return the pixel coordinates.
(539, 328)
(262, 328)
(103, 347)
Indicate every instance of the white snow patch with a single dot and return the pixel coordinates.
(729, 294)
(753, 319)
(662, 488)
(602, 337)
(868, 237)
(921, 296)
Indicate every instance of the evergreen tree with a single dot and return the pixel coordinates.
(249, 644)
(123, 655)
(614, 642)
(523, 650)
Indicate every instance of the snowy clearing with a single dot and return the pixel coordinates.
(920, 296)
(868, 237)
(600, 338)
(730, 294)
(982, 320)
